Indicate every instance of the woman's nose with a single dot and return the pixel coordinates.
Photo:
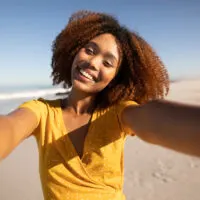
(95, 62)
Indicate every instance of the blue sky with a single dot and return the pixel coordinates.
(27, 29)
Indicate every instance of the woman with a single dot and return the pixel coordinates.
(81, 138)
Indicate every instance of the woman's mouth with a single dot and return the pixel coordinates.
(84, 76)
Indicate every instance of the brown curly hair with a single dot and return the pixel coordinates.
(141, 76)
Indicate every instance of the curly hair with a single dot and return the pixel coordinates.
(141, 77)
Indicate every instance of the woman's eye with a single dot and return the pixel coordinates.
(107, 64)
(89, 51)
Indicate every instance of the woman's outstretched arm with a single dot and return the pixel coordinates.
(165, 123)
(14, 128)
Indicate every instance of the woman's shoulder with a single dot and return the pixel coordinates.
(41, 104)
(118, 107)
(50, 102)
(123, 104)
(127, 102)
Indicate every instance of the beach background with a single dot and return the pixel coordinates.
(27, 30)
(151, 172)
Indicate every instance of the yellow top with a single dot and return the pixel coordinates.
(98, 175)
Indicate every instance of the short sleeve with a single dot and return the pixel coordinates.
(120, 107)
(38, 107)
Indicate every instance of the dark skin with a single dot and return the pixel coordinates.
(168, 124)
(76, 125)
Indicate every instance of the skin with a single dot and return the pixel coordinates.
(100, 58)
(165, 123)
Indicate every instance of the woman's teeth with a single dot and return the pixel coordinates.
(86, 75)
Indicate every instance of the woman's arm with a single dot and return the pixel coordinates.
(14, 128)
(165, 123)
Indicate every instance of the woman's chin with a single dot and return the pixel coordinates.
(77, 85)
(87, 86)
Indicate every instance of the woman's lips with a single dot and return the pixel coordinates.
(81, 77)
(89, 72)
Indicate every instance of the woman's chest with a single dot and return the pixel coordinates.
(102, 157)
(77, 129)
(95, 148)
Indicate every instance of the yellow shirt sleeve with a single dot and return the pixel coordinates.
(38, 107)
(120, 107)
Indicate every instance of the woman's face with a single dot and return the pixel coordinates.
(96, 64)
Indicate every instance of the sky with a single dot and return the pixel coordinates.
(28, 28)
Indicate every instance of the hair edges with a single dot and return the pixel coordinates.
(137, 80)
(75, 47)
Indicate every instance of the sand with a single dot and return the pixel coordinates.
(151, 172)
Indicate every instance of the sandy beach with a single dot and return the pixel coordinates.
(151, 172)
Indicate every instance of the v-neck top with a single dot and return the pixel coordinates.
(99, 173)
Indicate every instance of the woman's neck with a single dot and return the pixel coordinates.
(80, 103)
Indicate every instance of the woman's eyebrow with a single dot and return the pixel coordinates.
(93, 43)
(111, 56)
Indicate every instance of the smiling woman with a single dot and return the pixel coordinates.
(81, 137)
(141, 74)
(96, 64)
